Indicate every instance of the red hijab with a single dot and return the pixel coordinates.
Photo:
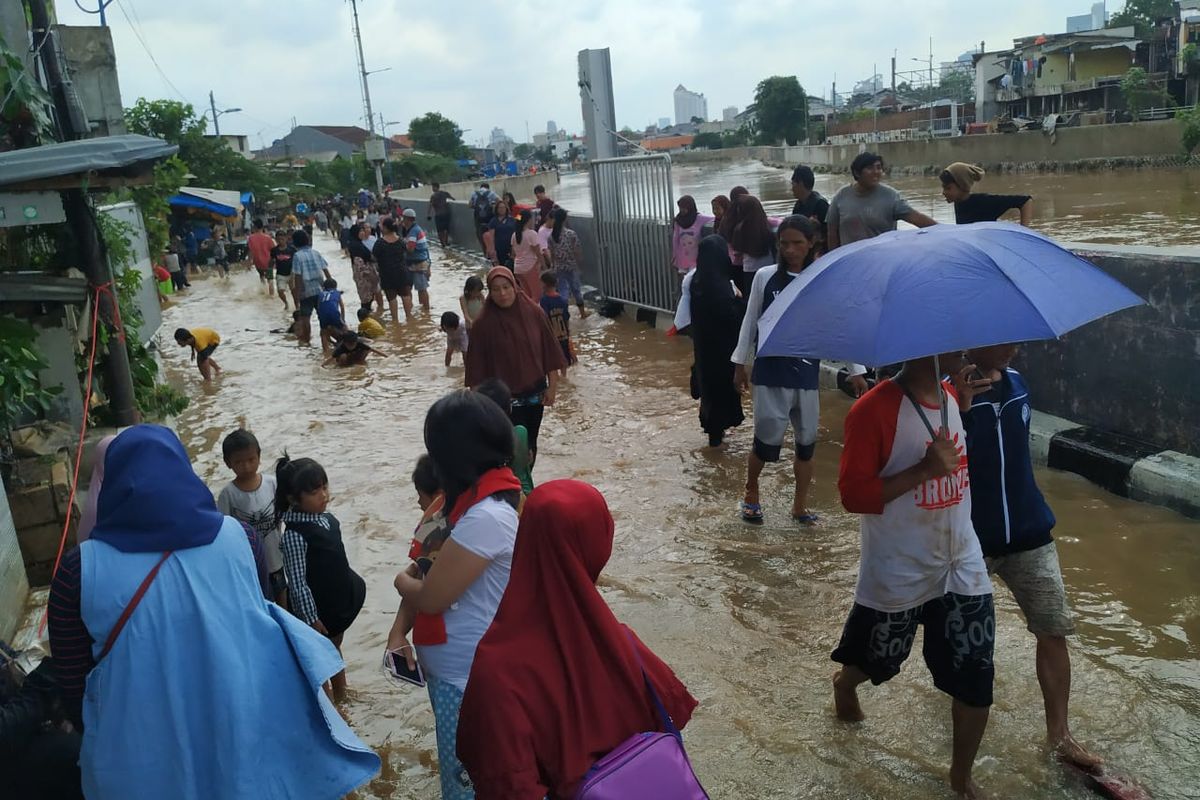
(514, 344)
(555, 684)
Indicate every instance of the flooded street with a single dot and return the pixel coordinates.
(1136, 207)
(746, 616)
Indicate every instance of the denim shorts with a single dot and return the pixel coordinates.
(569, 285)
(1035, 579)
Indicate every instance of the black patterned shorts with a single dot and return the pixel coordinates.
(960, 635)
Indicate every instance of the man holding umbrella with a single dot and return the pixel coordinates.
(921, 561)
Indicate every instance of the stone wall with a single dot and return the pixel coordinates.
(521, 186)
(1091, 143)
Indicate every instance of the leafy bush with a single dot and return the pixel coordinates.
(1189, 121)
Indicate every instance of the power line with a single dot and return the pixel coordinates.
(146, 47)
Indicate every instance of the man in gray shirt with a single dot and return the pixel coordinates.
(867, 208)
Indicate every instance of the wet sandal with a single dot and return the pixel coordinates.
(807, 519)
(752, 513)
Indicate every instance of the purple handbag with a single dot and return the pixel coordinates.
(646, 766)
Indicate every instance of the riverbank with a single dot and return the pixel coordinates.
(1088, 148)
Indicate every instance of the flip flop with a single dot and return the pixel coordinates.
(807, 519)
(752, 513)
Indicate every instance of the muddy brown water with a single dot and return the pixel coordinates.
(746, 616)
(1128, 206)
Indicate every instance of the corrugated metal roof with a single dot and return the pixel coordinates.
(85, 155)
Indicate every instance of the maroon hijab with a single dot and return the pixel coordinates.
(556, 684)
(514, 344)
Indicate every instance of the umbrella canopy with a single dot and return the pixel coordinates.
(915, 293)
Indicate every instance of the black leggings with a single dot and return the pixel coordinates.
(531, 417)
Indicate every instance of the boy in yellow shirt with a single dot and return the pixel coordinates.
(368, 326)
(203, 342)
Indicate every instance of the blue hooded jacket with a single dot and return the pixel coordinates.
(1008, 510)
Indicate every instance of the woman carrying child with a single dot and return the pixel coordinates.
(449, 606)
(323, 590)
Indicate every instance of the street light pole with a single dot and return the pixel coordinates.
(217, 114)
(366, 89)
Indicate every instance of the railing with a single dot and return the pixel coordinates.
(633, 202)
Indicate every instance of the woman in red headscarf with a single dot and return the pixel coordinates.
(512, 340)
(557, 685)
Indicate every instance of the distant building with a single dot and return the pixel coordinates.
(501, 142)
(664, 123)
(237, 143)
(551, 129)
(729, 114)
(869, 86)
(322, 143)
(1094, 21)
(562, 147)
(688, 105)
(540, 140)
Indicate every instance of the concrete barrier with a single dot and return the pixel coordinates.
(1159, 139)
(521, 187)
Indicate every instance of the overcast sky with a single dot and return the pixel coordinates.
(513, 63)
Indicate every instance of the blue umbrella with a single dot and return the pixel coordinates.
(916, 293)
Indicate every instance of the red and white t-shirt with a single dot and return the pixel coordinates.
(921, 545)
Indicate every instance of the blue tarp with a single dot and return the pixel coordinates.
(189, 201)
(247, 198)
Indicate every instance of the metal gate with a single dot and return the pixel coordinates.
(633, 203)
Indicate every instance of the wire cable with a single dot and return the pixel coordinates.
(134, 29)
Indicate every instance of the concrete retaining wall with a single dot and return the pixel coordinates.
(1155, 139)
(13, 585)
(521, 186)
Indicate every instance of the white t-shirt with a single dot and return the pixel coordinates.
(489, 530)
(755, 263)
(922, 544)
(256, 509)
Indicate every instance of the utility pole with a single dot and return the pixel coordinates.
(931, 91)
(893, 73)
(366, 89)
(216, 120)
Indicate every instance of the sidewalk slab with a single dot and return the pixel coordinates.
(1168, 478)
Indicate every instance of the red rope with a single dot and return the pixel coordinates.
(87, 405)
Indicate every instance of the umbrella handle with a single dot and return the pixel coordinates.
(943, 413)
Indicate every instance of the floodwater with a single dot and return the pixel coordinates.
(746, 616)
(1129, 206)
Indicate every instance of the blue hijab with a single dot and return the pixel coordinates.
(152, 500)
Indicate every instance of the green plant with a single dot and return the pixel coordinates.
(25, 117)
(21, 391)
(711, 141)
(1189, 122)
(154, 400)
(1140, 93)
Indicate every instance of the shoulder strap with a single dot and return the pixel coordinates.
(133, 603)
(667, 722)
(920, 411)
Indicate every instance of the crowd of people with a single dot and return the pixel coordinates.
(528, 696)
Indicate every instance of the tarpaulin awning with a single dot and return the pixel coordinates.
(222, 202)
(125, 156)
(247, 198)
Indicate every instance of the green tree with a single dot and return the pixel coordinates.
(782, 109)
(1189, 120)
(523, 151)
(544, 154)
(737, 138)
(1139, 92)
(710, 141)
(1142, 14)
(698, 120)
(434, 133)
(959, 86)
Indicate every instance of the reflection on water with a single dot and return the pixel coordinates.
(747, 616)
(1137, 207)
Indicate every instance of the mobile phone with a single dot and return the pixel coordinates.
(424, 564)
(397, 665)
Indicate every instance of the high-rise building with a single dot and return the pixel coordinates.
(664, 123)
(729, 114)
(688, 105)
(1088, 22)
(551, 128)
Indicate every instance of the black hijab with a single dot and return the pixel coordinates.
(688, 212)
(712, 294)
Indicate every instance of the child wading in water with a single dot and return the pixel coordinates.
(203, 342)
(472, 300)
(351, 351)
(558, 310)
(250, 498)
(456, 336)
(322, 588)
(498, 392)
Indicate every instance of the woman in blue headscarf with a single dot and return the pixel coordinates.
(196, 686)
